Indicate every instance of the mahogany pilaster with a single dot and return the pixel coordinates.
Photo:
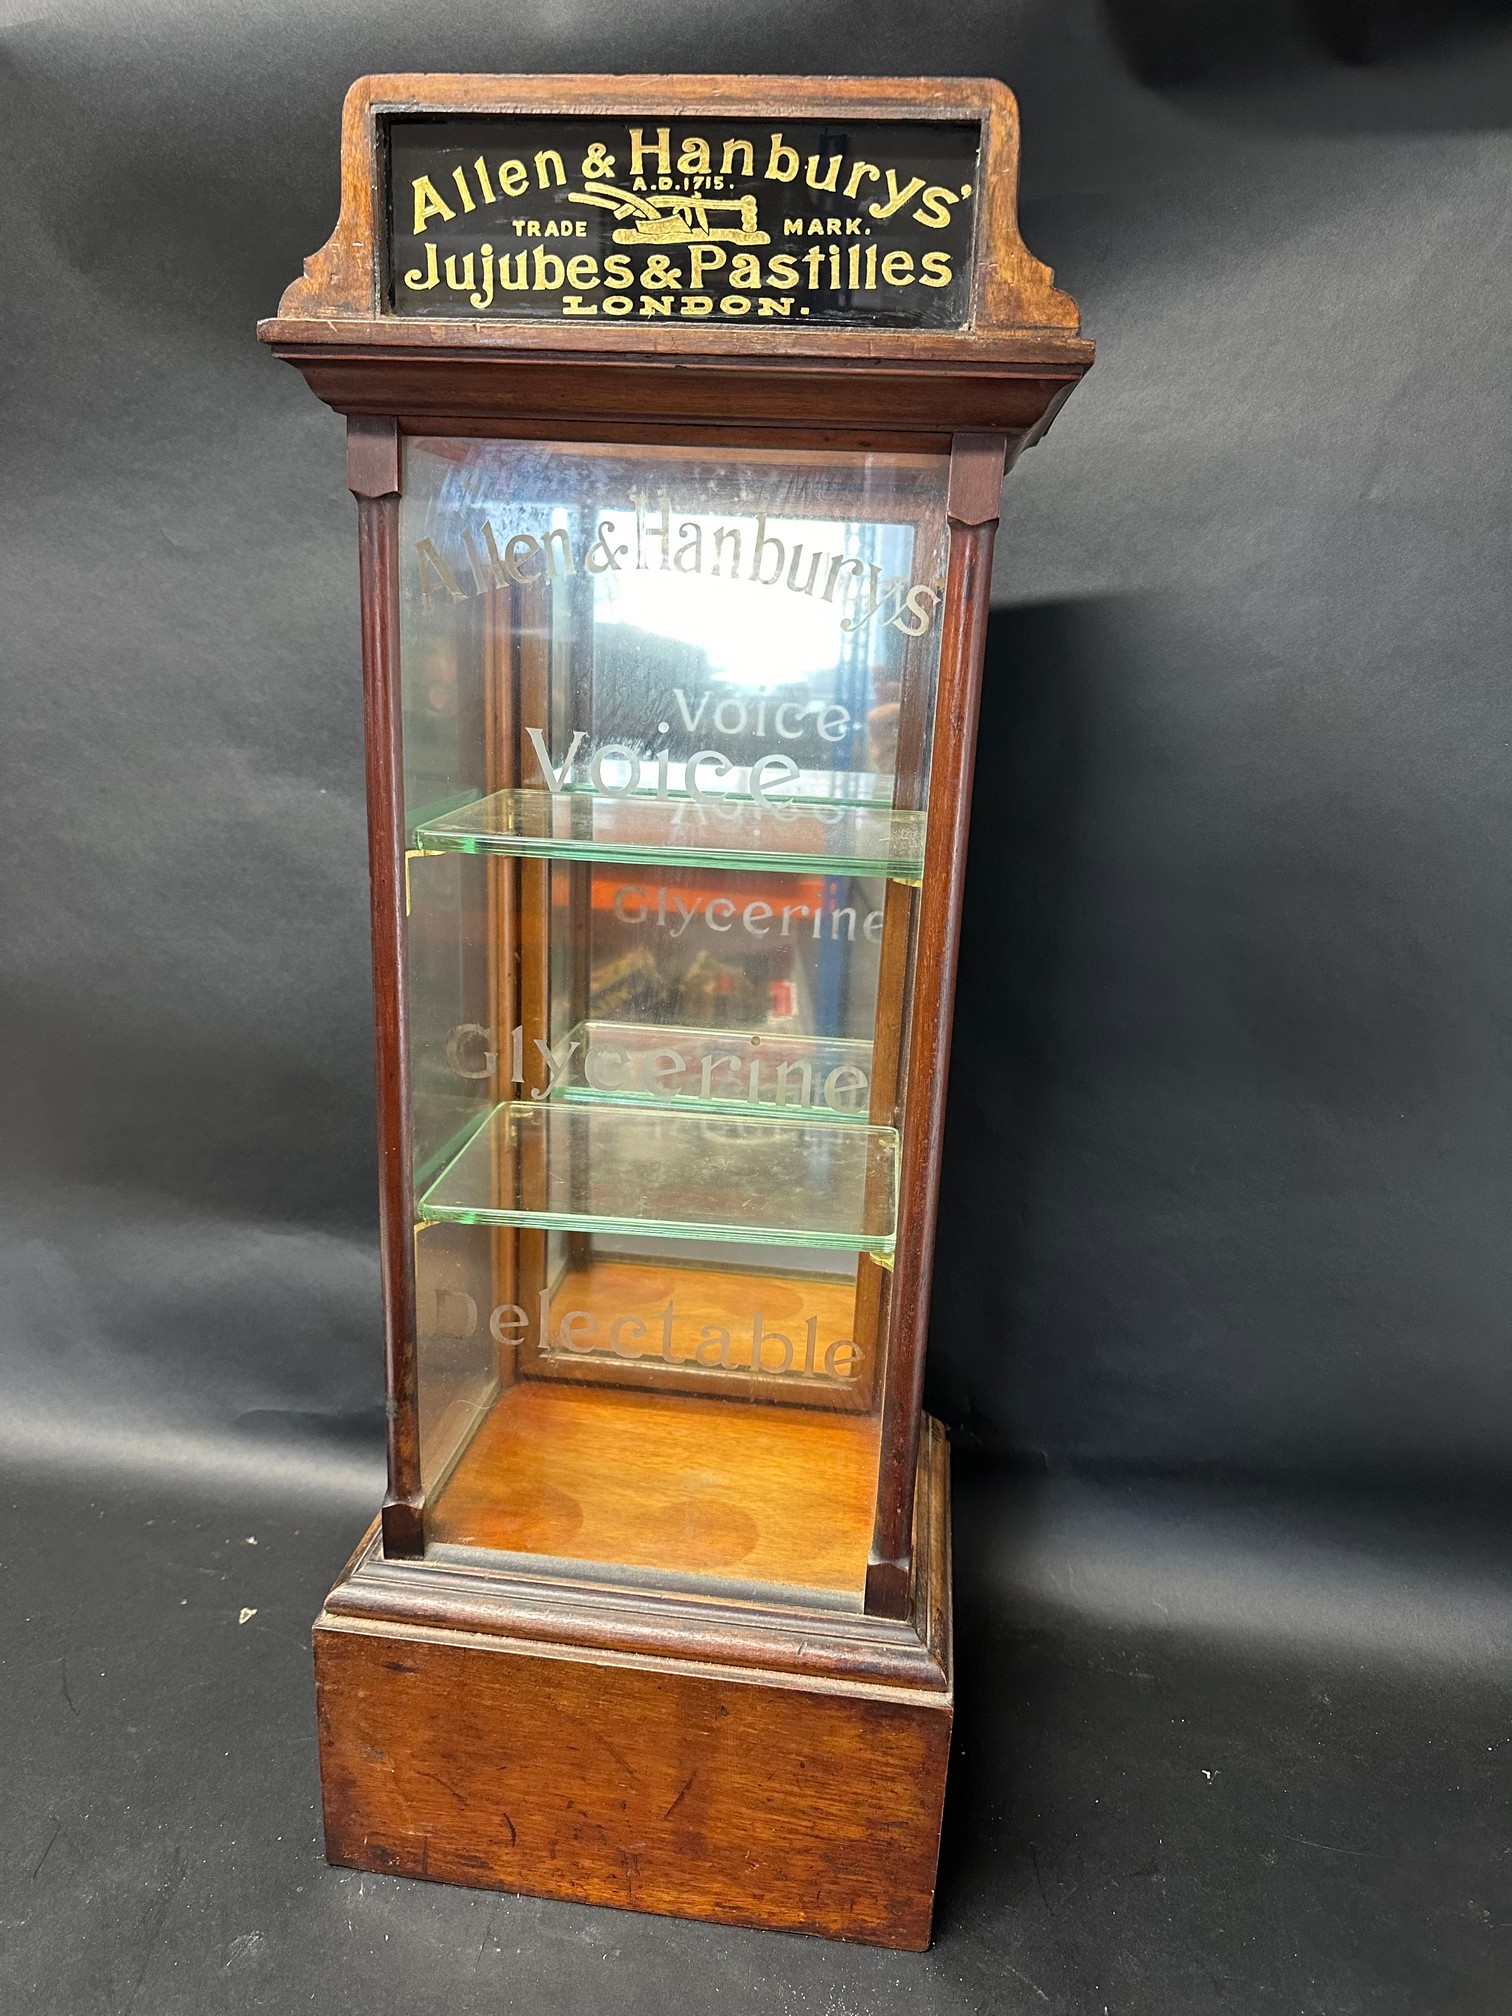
(373, 477)
(972, 503)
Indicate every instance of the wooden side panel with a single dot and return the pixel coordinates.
(748, 1799)
(373, 475)
(976, 482)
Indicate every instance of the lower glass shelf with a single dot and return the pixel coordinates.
(653, 1170)
(762, 1072)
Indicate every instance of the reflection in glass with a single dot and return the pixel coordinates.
(667, 733)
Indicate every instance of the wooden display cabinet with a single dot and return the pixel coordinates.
(678, 412)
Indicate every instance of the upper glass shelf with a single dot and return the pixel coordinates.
(838, 838)
(667, 1172)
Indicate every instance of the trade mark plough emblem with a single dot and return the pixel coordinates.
(677, 220)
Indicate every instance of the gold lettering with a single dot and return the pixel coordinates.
(936, 269)
(660, 272)
(898, 268)
(582, 270)
(549, 272)
(731, 149)
(811, 175)
(782, 162)
(429, 204)
(694, 158)
(745, 270)
(548, 158)
(702, 260)
(934, 207)
(617, 270)
(512, 178)
(432, 276)
(768, 304)
(660, 151)
(460, 178)
(896, 197)
(861, 170)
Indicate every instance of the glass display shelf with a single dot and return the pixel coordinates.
(838, 838)
(727, 1070)
(793, 1180)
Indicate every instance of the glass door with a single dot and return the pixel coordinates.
(667, 738)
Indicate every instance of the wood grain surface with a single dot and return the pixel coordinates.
(672, 1483)
(744, 1798)
(713, 1758)
(810, 1632)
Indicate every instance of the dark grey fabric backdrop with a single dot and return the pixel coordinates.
(1226, 1185)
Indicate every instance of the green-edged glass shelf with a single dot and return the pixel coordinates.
(735, 833)
(662, 1171)
(765, 1073)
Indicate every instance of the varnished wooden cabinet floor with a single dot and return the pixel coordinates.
(672, 1483)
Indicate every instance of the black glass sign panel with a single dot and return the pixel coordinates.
(837, 222)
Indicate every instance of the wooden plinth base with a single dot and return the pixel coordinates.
(707, 1758)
